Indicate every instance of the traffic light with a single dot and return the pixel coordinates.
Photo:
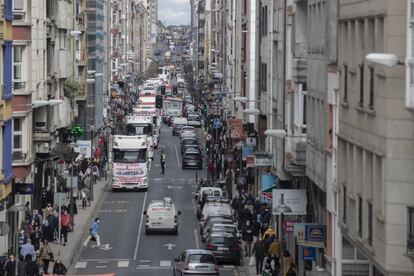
(158, 101)
(163, 90)
(175, 90)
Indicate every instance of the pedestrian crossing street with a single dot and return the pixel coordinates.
(126, 263)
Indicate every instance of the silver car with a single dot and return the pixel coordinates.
(196, 262)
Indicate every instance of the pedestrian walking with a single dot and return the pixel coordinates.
(274, 252)
(84, 197)
(65, 224)
(27, 249)
(36, 237)
(59, 268)
(247, 237)
(31, 267)
(46, 255)
(291, 271)
(163, 159)
(21, 268)
(259, 254)
(93, 233)
(287, 262)
(10, 266)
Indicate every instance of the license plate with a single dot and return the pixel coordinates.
(156, 223)
(201, 267)
(222, 248)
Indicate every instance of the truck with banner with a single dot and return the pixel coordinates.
(130, 163)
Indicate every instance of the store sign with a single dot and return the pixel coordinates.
(309, 253)
(315, 233)
(263, 160)
(268, 183)
(294, 198)
(251, 141)
(299, 233)
(129, 172)
(23, 188)
(250, 161)
(246, 150)
(83, 147)
(235, 127)
(288, 226)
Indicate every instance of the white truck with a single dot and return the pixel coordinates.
(130, 163)
(143, 125)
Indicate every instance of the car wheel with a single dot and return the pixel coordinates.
(114, 190)
(175, 232)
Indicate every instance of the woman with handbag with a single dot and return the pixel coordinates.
(46, 255)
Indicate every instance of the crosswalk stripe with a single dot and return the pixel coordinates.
(123, 263)
(81, 264)
(165, 263)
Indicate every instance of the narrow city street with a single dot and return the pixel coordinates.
(125, 248)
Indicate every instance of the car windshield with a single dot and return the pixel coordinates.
(229, 228)
(201, 258)
(139, 129)
(191, 156)
(137, 156)
(190, 142)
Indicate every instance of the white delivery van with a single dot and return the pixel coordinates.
(216, 208)
(161, 216)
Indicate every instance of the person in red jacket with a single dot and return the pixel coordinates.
(65, 224)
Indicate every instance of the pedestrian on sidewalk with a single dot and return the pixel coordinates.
(84, 197)
(287, 262)
(65, 226)
(31, 267)
(21, 240)
(10, 266)
(259, 254)
(27, 249)
(59, 268)
(35, 237)
(274, 252)
(163, 160)
(46, 254)
(247, 237)
(93, 233)
(21, 268)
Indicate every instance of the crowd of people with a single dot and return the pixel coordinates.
(259, 238)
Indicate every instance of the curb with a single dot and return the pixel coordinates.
(78, 244)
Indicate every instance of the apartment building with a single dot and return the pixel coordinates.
(6, 119)
(375, 184)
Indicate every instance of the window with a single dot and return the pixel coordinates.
(18, 10)
(344, 205)
(410, 230)
(17, 136)
(360, 215)
(17, 62)
(371, 86)
(370, 218)
(345, 74)
(361, 85)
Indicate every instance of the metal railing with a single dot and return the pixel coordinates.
(19, 156)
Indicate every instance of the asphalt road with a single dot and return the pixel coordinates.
(125, 248)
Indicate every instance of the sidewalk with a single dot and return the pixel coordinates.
(82, 222)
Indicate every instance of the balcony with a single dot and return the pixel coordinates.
(299, 69)
(41, 136)
(19, 157)
(80, 57)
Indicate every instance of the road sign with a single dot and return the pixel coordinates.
(216, 123)
(169, 245)
(23, 188)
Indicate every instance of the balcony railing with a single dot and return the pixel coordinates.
(19, 156)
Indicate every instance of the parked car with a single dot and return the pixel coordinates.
(230, 228)
(194, 147)
(187, 134)
(225, 247)
(194, 120)
(189, 141)
(196, 262)
(216, 208)
(209, 223)
(192, 159)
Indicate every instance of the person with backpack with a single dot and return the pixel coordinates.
(65, 224)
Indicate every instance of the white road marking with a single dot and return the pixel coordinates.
(165, 263)
(196, 239)
(98, 260)
(176, 155)
(81, 264)
(101, 266)
(195, 209)
(144, 267)
(228, 266)
(123, 263)
(144, 261)
(140, 226)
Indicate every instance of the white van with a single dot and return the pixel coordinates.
(216, 208)
(180, 121)
(161, 215)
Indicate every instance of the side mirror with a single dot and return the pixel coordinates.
(179, 213)
(145, 213)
